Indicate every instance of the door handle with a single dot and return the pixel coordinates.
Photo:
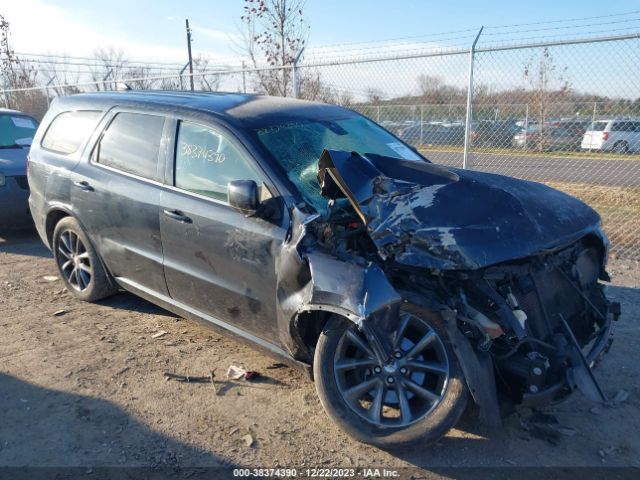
(177, 215)
(83, 185)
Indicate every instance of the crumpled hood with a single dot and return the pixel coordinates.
(429, 216)
(13, 161)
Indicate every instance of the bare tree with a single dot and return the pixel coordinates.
(273, 34)
(109, 65)
(15, 74)
(141, 73)
(60, 76)
(203, 80)
(434, 90)
(548, 85)
(429, 84)
(374, 95)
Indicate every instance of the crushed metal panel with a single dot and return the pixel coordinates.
(346, 288)
(429, 216)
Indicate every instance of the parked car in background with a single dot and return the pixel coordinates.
(16, 133)
(308, 230)
(490, 133)
(548, 138)
(434, 134)
(579, 127)
(616, 135)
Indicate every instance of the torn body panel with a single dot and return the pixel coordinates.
(429, 216)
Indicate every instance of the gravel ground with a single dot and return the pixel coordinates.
(83, 385)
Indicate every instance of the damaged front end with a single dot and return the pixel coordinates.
(513, 268)
(544, 321)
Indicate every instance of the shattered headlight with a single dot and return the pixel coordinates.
(587, 267)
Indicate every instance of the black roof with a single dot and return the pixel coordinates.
(244, 110)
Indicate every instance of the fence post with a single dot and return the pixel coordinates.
(378, 114)
(467, 123)
(104, 79)
(421, 123)
(51, 79)
(526, 126)
(244, 78)
(296, 80)
(181, 73)
(593, 115)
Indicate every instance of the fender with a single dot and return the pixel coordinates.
(349, 289)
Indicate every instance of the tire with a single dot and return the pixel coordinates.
(427, 420)
(621, 147)
(79, 265)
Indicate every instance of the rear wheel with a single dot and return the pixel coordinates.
(406, 387)
(621, 147)
(78, 263)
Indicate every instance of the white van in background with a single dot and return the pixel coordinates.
(617, 135)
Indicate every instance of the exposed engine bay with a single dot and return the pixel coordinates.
(528, 328)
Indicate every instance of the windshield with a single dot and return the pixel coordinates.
(297, 147)
(16, 131)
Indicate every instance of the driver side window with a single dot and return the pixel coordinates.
(206, 161)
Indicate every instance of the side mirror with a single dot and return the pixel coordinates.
(243, 196)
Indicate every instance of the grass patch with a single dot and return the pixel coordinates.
(619, 208)
(512, 152)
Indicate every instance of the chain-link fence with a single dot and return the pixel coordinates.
(566, 113)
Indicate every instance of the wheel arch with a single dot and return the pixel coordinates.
(53, 217)
(59, 212)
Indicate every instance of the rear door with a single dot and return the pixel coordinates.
(116, 196)
(217, 260)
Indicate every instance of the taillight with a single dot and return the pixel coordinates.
(605, 136)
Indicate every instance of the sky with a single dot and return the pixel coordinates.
(155, 29)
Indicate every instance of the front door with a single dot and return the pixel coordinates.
(216, 259)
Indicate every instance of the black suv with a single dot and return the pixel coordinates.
(311, 231)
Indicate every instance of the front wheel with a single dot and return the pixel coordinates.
(404, 387)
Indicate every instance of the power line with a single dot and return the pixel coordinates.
(564, 20)
(219, 60)
(567, 27)
(473, 30)
(73, 57)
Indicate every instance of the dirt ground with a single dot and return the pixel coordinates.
(83, 385)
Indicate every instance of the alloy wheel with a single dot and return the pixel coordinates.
(397, 381)
(74, 260)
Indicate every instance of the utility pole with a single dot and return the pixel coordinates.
(189, 50)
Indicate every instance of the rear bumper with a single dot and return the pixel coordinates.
(14, 204)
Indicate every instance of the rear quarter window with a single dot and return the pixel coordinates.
(69, 130)
(131, 144)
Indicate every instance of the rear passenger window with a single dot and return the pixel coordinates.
(206, 162)
(131, 144)
(69, 130)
